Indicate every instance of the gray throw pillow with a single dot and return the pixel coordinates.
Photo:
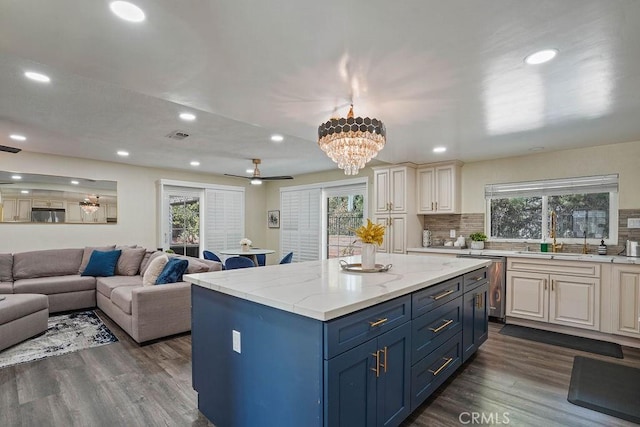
(129, 261)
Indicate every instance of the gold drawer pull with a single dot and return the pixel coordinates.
(377, 368)
(441, 327)
(437, 297)
(477, 279)
(378, 322)
(437, 371)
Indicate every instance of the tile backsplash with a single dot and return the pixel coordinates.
(465, 224)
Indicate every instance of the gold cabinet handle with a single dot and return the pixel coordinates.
(477, 279)
(441, 327)
(442, 295)
(384, 350)
(477, 301)
(552, 284)
(444, 365)
(377, 368)
(431, 205)
(436, 205)
(545, 284)
(377, 322)
(390, 206)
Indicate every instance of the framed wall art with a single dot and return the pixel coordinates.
(273, 219)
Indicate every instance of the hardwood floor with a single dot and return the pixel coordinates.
(124, 384)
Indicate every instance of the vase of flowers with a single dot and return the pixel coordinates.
(477, 240)
(245, 244)
(370, 235)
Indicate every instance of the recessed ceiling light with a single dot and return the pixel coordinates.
(541, 56)
(188, 117)
(16, 177)
(37, 76)
(127, 11)
(123, 153)
(439, 149)
(17, 137)
(277, 138)
(195, 163)
(24, 191)
(74, 182)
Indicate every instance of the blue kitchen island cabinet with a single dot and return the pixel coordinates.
(309, 345)
(475, 312)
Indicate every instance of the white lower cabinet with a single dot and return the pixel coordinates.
(536, 292)
(625, 295)
(394, 241)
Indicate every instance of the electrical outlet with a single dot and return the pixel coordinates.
(236, 342)
(452, 234)
(633, 222)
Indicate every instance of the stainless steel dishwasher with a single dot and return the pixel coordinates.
(497, 274)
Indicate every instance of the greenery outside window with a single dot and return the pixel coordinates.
(585, 207)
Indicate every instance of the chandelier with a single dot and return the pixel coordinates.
(90, 207)
(350, 142)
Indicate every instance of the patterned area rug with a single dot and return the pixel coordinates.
(66, 333)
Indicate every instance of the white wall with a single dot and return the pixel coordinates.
(136, 204)
(623, 159)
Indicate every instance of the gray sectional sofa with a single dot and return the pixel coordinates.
(144, 312)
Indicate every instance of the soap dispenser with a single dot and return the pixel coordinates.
(602, 248)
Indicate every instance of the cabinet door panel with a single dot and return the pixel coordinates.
(381, 191)
(397, 235)
(386, 240)
(24, 210)
(398, 189)
(9, 210)
(475, 329)
(444, 190)
(626, 300)
(575, 301)
(425, 190)
(434, 328)
(393, 389)
(528, 295)
(351, 392)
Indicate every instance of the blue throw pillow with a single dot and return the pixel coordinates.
(172, 271)
(102, 263)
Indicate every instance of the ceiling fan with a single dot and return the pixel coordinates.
(257, 179)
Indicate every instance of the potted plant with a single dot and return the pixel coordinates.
(477, 240)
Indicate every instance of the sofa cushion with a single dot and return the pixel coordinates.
(154, 269)
(129, 261)
(86, 255)
(172, 271)
(6, 267)
(121, 297)
(105, 285)
(45, 263)
(197, 265)
(54, 285)
(102, 263)
(6, 287)
(148, 257)
(17, 306)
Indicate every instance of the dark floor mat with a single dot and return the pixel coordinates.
(563, 340)
(606, 387)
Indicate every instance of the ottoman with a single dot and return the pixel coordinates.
(22, 316)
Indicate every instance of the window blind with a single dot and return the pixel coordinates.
(224, 219)
(553, 187)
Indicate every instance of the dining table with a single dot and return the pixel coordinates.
(250, 253)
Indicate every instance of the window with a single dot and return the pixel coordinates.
(345, 210)
(585, 207)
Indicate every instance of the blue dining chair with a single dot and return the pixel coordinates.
(211, 256)
(262, 260)
(238, 262)
(287, 258)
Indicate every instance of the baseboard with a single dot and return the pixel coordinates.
(618, 339)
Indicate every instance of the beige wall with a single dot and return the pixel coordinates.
(623, 159)
(137, 203)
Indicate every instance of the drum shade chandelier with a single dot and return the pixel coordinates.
(351, 142)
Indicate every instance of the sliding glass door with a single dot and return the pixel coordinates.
(345, 211)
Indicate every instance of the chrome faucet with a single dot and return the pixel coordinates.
(555, 247)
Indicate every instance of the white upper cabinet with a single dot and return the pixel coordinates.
(438, 188)
(394, 188)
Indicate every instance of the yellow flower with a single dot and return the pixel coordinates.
(370, 233)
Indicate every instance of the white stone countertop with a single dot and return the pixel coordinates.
(323, 291)
(565, 256)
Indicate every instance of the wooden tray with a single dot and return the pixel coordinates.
(357, 268)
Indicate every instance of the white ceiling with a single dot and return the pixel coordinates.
(436, 72)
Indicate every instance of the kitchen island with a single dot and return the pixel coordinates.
(309, 344)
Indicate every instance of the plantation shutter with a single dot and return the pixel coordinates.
(224, 219)
(300, 224)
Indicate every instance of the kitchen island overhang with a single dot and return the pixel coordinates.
(262, 338)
